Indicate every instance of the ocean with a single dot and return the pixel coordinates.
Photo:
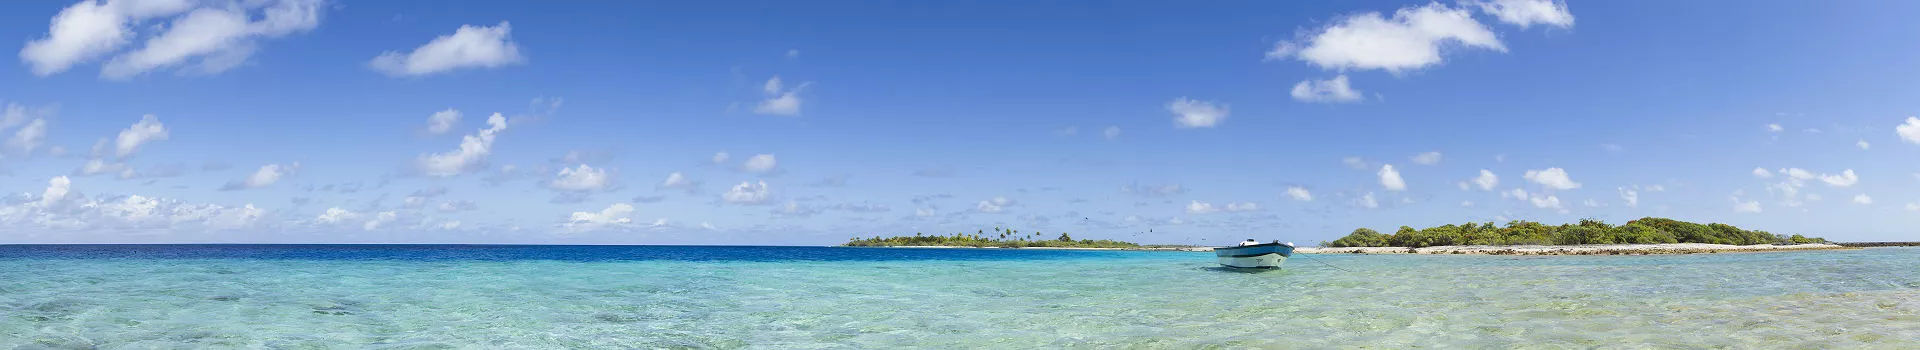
(468, 296)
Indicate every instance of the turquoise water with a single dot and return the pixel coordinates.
(703, 297)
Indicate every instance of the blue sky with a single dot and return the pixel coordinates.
(287, 121)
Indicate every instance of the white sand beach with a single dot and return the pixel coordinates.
(1603, 249)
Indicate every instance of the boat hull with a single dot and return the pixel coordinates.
(1261, 256)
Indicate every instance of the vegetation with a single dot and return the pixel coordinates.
(1002, 238)
(1588, 231)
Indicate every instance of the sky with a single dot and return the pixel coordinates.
(809, 123)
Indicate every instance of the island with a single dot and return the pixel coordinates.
(1007, 238)
(1588, 237)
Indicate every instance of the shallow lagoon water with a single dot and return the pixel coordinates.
(817, 297)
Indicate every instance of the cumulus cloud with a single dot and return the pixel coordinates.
(1234, 207)
(210, 37)
(1549, 202)
(1775, 127)
(1554, 178)
(468, 47)
(1762, 173)
(472, 155)
(1487, 180)
(1844, 179)
(1526, 13)
(267, 175)
(1198, 207)
(1863, 144)
(618, 215)
(147, 130)
(61, 207)
(747, 193)
(780, 100)
(1189, 113)
(1745, 206)
(1412, 39)
(1429, 158)
(1631, 196)
(1862, 199)
(443, 121)
(579, 179)
(1367, 201)
(995, 205)
(1111, 133)
(678, 182)
(1391, 179)
(1335, 90)
(721, 158)
(1299, 194)
(1909, 132)
(763, 163)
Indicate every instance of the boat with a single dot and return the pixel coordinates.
(1255, 256)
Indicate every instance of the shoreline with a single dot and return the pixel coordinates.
(1600, 249)
(1156, 249)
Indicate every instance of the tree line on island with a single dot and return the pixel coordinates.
(1648, 230)
(1001, 238)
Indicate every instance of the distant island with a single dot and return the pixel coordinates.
(999, 238)
(1648, 230)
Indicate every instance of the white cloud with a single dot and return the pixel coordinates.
(1391, 179)
(1846, 178)
(583, 178)
(1526, 13)
(1336, 90)
(1590, 203)
(679, 182)
(1745, 206)
(1367, 201)
(1655, 188)
(763, 163)
(1112, 132)
(218, 38)
(472, 155)
(1429, 158)
(793, 53)
(1153, 191)
(1863, 144)
(719, 158)
(442, 121)
(468, 47)
(1198, 207)
(1554, 178)
(1516, 193)
(618, 215)
(1631, 196)
(214, 37)
(1233, 207)
(747, 193)
(1189, 113)
(995, 205)
(1909, 132)
(1862, 199)
(147, 130)
(381, 218)
(1775, 127)
(334, 215)
(1762, 173)
(780, 101)
(28, 137)
(1487, 180)
(57, 189)
(1466, 204)
(923, 212)
(267, 175)
(1412, 39)
(1299, 194)
(1913, 207)
(1550, 202)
